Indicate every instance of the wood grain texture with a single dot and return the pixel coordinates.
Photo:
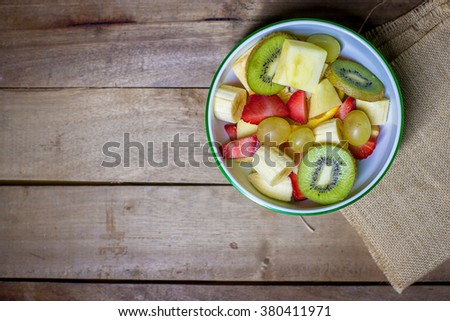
(52, 291)
(55, 14)
(161, 232)
(172, 233)
(172, 54)
(84, 45)
(58, 135)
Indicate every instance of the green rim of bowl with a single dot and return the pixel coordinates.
(243, 192)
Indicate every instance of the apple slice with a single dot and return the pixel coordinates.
(240, 69)
(377, 111)
(329, 132)
(245, 129)
(282, 191)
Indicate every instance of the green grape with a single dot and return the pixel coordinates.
(300, 138)
(273, 129)
(357, 128)
(330, 44)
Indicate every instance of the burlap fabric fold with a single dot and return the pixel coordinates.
(405, 220)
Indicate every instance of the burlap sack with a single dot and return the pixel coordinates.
(405, 220)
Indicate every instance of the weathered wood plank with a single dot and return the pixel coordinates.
(58, 135)
(172, 233)
(53, 291)
(55, 14)
(122, 55)
(88, 45)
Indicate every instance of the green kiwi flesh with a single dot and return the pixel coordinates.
(262, 63)
(326, 174)
(355, 80)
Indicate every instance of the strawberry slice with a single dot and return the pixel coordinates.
(240, 148)
(296, 193)
(347, 106)
(364, 151)
(260, 107)
(298, 108)
(231, 130)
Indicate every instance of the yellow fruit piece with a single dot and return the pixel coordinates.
(377, 111)
(322, 74)
(285, 94)
(341, 94)
(272, 164)
(300, 65)
(313, 122)
(282, 191)
(244, 160)
(295, 127)
(229, 103)
(240, 70)
(329, 132)
(244, 129)
(323, 99)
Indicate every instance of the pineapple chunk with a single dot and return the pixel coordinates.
(329, 132)
(324, 99)
(245, 129)
(240, 70)
(300, 65)
(377, 111)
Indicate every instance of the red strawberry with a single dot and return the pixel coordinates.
(296, 193)
(231, 131)
(347, 106)
(240, 148)
(298, 108)
(364, 151)
(259, 107)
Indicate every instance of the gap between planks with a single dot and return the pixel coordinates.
(123, 46)
(173, 233)
(74, 183)
(59, 135)
(31, 290)
(35, 15)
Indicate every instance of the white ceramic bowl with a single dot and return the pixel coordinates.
(370, 170)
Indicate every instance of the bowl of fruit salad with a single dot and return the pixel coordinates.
(304, 117)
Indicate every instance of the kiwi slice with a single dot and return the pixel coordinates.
(355, 80)
(326, 174)
(262, 64)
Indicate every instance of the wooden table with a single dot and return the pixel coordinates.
(75, 76)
